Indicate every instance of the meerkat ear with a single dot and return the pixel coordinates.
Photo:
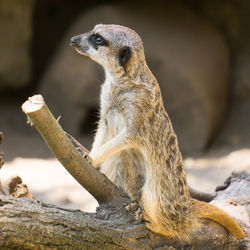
(124, 55)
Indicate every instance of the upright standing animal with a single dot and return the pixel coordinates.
(135, 144)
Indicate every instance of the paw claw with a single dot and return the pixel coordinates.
(88, 159)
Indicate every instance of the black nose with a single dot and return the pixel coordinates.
(75, 41)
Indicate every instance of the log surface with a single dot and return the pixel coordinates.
(27, 224)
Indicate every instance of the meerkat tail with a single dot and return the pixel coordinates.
(209, 211)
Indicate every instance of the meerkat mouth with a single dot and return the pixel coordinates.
(82, 50)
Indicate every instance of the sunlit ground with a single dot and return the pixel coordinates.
(49, 182)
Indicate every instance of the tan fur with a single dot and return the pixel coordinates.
(135, 144)
(208, 211)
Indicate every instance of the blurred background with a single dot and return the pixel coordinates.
(198, 50)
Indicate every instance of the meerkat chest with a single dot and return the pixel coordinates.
(114, 122)
(111, 116)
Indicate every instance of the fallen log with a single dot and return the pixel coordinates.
(31, 224)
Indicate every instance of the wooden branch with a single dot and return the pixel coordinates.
(31, 224)
(1, 189)
(91, 179)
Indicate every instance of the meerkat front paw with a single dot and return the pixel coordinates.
(136, 209)
(93, 158)
(91, 161)
(132, 206)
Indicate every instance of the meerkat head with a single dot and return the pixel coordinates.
(115, 47)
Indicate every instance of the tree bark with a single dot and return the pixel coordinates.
(28, 224)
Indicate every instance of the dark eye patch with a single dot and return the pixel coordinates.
(124, 55)
(97, 40)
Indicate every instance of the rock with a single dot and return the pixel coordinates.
(15, 42)
(187, 54)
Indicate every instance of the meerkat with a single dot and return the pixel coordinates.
(135, 145)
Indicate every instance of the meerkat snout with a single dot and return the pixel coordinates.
(75, 41)
(80, 44)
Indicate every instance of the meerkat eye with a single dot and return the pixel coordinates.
(124, 56)
(97, 40)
